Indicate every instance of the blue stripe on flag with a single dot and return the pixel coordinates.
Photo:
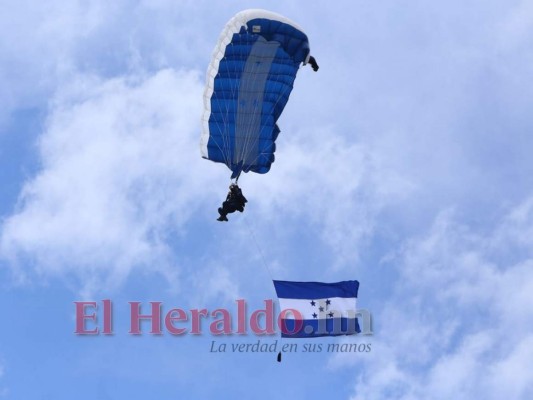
(315, 290)
(309, 328)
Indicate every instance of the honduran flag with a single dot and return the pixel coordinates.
(313, 309)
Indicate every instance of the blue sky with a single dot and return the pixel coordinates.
(404, 162)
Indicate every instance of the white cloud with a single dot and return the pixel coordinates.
(459, 322)
(38, 46)
(217, 284)
(116, 157)
(336, 185)
(46, 45)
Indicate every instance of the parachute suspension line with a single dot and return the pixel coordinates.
(225, 145)
(248, 120)
(287, 89)
(236, 180)
(252, 235)
(226, 135)
(260, 251)
(222, 129)
(225, 150)
(255, 116)
(255, 141)
(249, 141)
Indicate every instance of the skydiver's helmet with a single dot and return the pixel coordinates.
(233, 186)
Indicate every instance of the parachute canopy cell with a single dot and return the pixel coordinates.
(249, 81)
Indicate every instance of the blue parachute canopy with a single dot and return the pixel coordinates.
(249, 81)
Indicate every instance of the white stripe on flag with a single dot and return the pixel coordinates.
(339, 306)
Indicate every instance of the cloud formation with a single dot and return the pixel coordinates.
(116, 156)
(416, 112)
(458, 324)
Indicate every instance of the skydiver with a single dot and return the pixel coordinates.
(235, 201)
(312, 63)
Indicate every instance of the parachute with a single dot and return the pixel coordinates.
(248, 84)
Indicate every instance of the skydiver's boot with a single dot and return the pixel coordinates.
(222, 216)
